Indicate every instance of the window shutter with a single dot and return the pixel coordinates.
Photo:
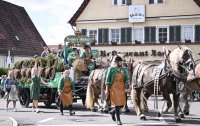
(171, 34)
(100, 36)
(106, 36)
(178, 33)
(129, 35)
(129, 2)
(146, 30)
(123, 35)
(84, 32)
(153, 34)
(197, 33)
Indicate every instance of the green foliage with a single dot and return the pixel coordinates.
(18, 65)
(25, 81)
(4, 71)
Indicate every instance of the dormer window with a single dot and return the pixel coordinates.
(17, 38)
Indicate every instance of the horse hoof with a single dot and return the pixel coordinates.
(178, 120)
(143, 118)
(106, 111)
(93, 110)
(159, 115)
(181, 116)
(127, 111)
(186, 113)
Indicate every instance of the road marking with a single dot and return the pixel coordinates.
(82, 125)
(163, 120)
(46, 120)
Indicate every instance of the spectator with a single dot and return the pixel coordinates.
(45, 52)
(11, 89)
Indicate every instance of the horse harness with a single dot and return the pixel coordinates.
(157, 75)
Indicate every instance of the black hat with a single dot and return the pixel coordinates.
(74, 49)
(118, 58)
(86, 46)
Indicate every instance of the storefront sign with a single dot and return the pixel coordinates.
(135, 54)
(73, 38)
(137, 13)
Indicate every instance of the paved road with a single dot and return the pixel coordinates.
(51, 116)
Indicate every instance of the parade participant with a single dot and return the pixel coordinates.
(116, 79)
(65, 92)
(87, 56)
(73, 56)
(65, 52)
(11, 89)
(35, 87)
(45, 52)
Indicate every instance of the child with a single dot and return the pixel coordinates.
(65, 92)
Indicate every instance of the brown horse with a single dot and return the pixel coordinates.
(153, 79)
(192, 84)
(96, 88)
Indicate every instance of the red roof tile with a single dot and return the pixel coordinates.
(17, 32)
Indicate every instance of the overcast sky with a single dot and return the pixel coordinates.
(50, 17)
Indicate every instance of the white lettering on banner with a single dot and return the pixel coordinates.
(137, 13)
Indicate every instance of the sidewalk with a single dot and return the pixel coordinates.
(8, 121)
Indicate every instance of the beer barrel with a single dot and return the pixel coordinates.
(23, 72)
(41, 71)
(28, 72)
(17, 74)
(50, 73)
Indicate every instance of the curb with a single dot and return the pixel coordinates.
(14, 121)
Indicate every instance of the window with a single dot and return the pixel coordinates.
(197, 33)
(115, 35)
(162, 34)
(103, 36)
(150, 34)
(121, 2)
(126, 35)
(155, 1)
(93, 35)
(84, 31)
(175, 33)
(187, 34)
(138, 35)
(124, 2)
(160, 1)
(115, 2)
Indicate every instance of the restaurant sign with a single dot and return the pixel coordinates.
(137, 13)
(152, 52)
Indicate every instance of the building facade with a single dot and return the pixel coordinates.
(19, 38)
(140, 27)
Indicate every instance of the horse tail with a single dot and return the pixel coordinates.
(90, 93)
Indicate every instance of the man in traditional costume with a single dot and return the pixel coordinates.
(65, 52)
(116, 78)
(65, 88)
(87, 56)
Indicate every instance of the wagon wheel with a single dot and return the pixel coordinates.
(48, 102)
(57, 101)
(24, 98)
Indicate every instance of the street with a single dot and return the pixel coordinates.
(51, 116)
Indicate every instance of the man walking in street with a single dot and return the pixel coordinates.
(116, 78)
